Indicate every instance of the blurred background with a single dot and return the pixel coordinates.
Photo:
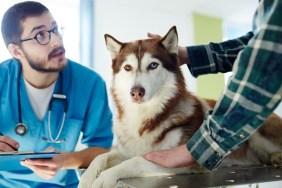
(197, 22)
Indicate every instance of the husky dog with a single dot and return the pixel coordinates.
(155, 112)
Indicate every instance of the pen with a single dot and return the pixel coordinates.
(1, 134)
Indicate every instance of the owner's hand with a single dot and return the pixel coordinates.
(45, 168)
(171, 158)
(7, 144)
(182, 51)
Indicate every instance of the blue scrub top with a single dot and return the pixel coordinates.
(88, 112)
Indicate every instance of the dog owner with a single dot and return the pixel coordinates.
(251, 95)
(31, 117)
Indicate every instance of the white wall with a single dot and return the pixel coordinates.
(126, 23)
(131, 23)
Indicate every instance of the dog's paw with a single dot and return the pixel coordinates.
(276, 160)
(107, 179)
(98, 165)
(88, 178)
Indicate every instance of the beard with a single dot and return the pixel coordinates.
(39, 65)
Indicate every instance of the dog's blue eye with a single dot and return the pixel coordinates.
(153, 65)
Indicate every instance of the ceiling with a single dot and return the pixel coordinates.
(240, 11)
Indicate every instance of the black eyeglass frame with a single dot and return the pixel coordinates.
(55, 30)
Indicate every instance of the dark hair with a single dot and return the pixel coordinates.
(11, 27)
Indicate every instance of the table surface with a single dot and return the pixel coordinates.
(257, 176)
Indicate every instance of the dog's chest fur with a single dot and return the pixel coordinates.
(134, 139)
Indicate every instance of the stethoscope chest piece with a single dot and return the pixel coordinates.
(21, 129)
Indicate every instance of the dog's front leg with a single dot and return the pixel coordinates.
(134, 167)
(276, 159)
(98, 165)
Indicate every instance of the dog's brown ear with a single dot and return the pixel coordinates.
(113, 45)
(170, 40)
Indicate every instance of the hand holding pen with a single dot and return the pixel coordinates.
(7, 144)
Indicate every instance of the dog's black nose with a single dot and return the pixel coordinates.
(137, 93)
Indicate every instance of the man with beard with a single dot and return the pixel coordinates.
(46, 101)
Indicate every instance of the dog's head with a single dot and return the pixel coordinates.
(145, 70)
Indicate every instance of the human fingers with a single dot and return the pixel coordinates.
(7, 144)
(45, 168)
(183, 55)
(55, 162)
(41, 162)
(154, 36)
(45, 172)
(171, 158)
(158, 157)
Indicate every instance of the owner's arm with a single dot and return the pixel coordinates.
(215, 57)
(252, 94)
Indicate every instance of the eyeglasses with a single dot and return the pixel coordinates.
(43, 37)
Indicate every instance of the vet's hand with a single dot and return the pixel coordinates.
(182, 51)
(7, 144)
(171, 158)
(153, 36)
(45, 168)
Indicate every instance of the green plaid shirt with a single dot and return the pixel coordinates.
(252, 93)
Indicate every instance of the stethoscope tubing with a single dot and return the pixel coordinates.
(21, 128)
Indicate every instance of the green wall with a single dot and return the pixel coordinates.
(208, 29)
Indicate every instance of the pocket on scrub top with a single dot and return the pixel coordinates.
(71, 132)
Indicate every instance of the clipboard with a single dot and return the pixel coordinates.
(11, 160)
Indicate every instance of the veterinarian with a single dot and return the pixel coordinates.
(46, 101)
(251, 95)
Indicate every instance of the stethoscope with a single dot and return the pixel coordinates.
(21, 128)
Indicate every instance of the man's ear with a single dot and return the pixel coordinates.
(15, 51)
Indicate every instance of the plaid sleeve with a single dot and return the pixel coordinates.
(252, 94)
(214, 58)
